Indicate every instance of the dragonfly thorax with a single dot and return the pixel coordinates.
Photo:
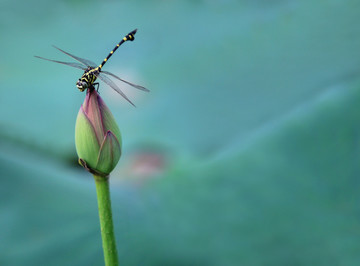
(87, 79)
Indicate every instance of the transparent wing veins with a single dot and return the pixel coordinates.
(127, 82)
(76, 65)
(114, 87)
(84, 61)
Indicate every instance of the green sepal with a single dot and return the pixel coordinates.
(87, 146)
(109, 154)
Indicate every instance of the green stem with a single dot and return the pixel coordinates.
(106, 222)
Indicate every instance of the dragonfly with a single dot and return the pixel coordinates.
(92, 72)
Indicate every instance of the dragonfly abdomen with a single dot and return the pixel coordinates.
(128, 37)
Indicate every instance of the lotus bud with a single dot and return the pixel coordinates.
(97, 136)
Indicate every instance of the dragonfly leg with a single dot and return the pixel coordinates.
(96, 84)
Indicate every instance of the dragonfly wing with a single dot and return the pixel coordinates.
(127, 82)
(114, 87)
(86, 62)
(76, 65)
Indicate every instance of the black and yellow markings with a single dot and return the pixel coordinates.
(128, 37)
(88, 78)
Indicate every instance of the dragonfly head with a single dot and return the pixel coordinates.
(81, 85)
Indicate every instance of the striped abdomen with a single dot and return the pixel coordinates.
(128, 37)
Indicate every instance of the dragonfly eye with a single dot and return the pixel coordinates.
(81, 85)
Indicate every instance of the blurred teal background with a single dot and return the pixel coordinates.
(245, 152)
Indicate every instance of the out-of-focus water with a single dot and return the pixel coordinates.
(245, 152)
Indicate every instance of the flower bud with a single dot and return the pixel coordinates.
(97, 136)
